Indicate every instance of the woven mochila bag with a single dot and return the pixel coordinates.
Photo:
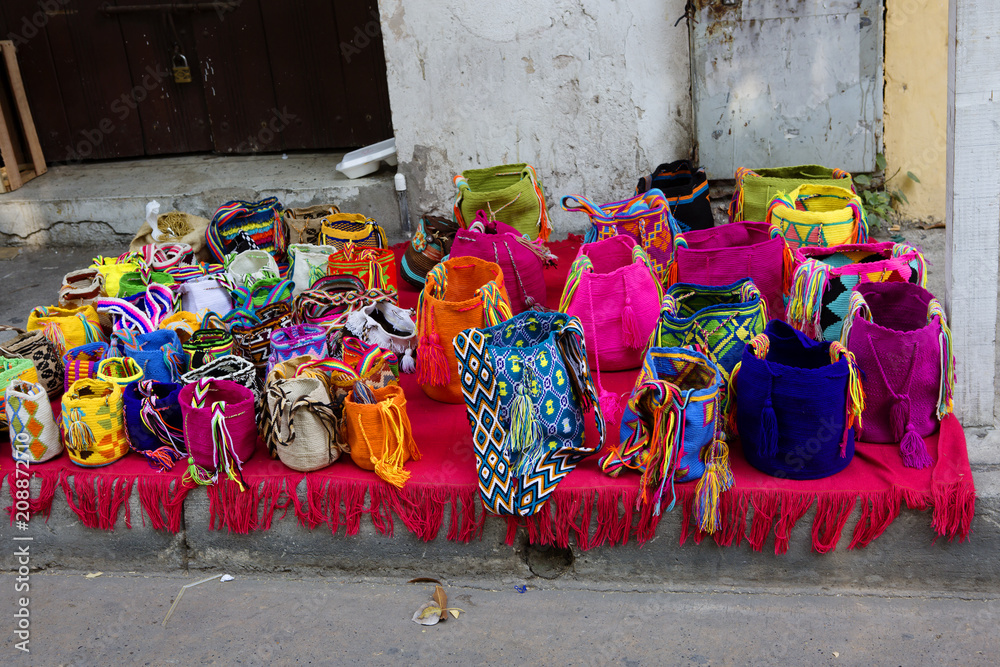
(112, 269)
(899, 335)
(237, 223)
(527, 388)
(717, 320)
(119, 370)
(430, 244)
(755, 188)
(67, 327)
(10, 370)
(330, 302)
(159, 353)
(670, 432)
(614, 292)
(521, 261)
(819, 215)
(248, 267)
(134, 282)
(81, 362)
(302, 225)
(308, 264)
(646, 218)
(301, 423)
(686, 190)
(34, 435)
(93, 423)
(208, 294)
(460, 293)
(295, 341)
(379, 434)
(725, 254)
(389, 327)
(207, 345)
(34, 346)
(252, 332)
(220, 430)
(511, 191)
(340, 229)
(80, 288)
(375, 267)
(233, 368)
(824, 278)
(163, 256)
(182, 323)
(154, 422)
(796, 404)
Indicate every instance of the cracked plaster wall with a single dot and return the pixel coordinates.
(592, 93)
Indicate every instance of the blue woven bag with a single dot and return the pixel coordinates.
(154, 423)
(159, 353)
(796, 404)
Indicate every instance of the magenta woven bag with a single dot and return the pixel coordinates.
(220, 430)
(613, 290)
(899, 335)
(521, 261)
(723, 255)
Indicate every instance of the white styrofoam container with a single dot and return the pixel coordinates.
(365, 160)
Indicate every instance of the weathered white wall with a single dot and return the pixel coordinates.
(591, 92)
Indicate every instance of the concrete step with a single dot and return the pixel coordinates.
(104, 203)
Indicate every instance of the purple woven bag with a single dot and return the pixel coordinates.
(521, 261)
(723, 255)
(900, 338)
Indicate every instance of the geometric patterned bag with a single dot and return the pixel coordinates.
(93, 423)
(259, 221)
(34, 436)
(824, 277)
(430, 243)
(686, 189)
(40, 350)
(252, 333)
(10, 370)
(153, 422)
(512, 192)
(819, 215)
(340, 229)
(755, 188)
(81, 362)
(526, 385)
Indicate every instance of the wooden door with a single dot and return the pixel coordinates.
(268, 75)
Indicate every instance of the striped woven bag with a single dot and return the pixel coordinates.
(251, 330)
(67, 327)
(686, 190)
(340, 229)
(431, 242)
(259, 221)
(81, 362)
(755, 188)
(819, 215)
(93, 423)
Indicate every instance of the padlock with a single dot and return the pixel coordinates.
(182, 73)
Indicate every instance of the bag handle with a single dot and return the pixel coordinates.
(809, 283)
(582, 264)
(901, 250)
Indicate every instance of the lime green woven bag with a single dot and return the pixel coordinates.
(510, 193)
(755, 188)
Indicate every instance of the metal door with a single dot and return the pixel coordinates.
(787, 82)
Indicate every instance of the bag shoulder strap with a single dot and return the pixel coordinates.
(581, 265)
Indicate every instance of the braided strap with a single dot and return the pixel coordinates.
(855, 391)
(946, 391)
(581, 265)
(809, 283)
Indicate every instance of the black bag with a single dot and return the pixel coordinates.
(686, 190)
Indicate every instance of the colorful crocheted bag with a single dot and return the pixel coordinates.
(511, 192)
(154, 422)
(207, 345)
(379, 434)
(521, 261)
(824, 277)
(34, 436)
(80, 288)
(724, 254)
(33, 345)
(112, 269)
(10, 370)
(527, 388)
(67, 327)
(246, 268)
(93, 423)
(614, 292)
(755, 188)
(220, 430)
(646, 218)
(207, 294)
(717, 320)
(301, 424)
(134, 282)
(297, 340)
(237, 223)
(797, 402)
(340, 229)
(302, 225)
(252, 332)
(430, 244)
(159, 353)
(670, 432)
(119, 370)
(686, 190)
(819, 215)
(81, 362)
(233, 368)
(308, 264)
(389, 327)
(375, 267)
(461, 292)
(900, 337)
(329, 306)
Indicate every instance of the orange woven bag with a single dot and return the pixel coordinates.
(460, 293)
(379, 434)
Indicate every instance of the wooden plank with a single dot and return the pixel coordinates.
(23, 110)
(7, 152)
(972, 240)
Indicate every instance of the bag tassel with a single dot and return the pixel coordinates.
(912, 447)
(630, 327)
(197, 475)
(432, 364)
(408, 365)
(718, 479)
(524, 430)
(390, 466)
(768, 430)
(611, 406)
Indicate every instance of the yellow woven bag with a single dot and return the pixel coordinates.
(93, 424)
(67, 327)
(112, 269)
(340, 228)
(819, 215)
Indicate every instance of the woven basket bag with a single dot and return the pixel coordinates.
(379, 434)
(220, 430)
(154, 422)
(725, 254)
(686, 190)
(231, 367)
(10, 370)
(252, 333)
(204, 295)
(112, 269)
(67, 327)
(646, 218)
(331, 308)
(134, 282)
(34, 435)
(819, 215)
(302, 225)
(755, 188)
(340, 229)
(207, 345)
(511, 192)
(308, 264)
(430, 244)
(521, 261)
(80, 288)
(93, 423)
(302, 425)
(159, 353)
(797, 402)
(613, 291)
(81, 362)
(899, 335)
(460, 293)
(119, 370)
(375, 267)
(527, 388)
(40, 350)
(389, 327)
(250, 266)
(237, 221)
(824, 277)
(297, 340)
(718, 320)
